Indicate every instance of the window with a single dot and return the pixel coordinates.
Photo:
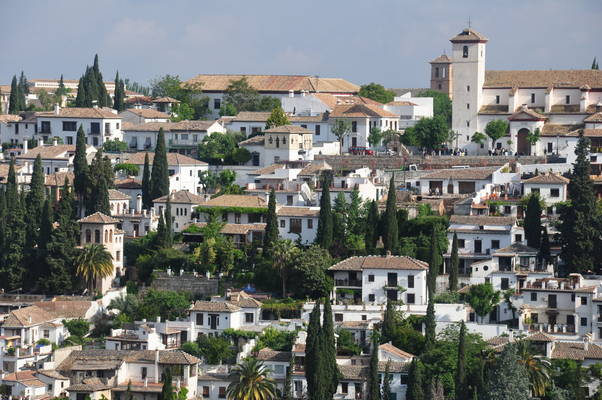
(583, 301)
(468, 124)
(338, 317)
(249, 318)
(465, 52)
(534, 318)
(439, 86)
(364, 317)
(554, 192)
(573, 297)
(70, 126)
(497, 99)
(69, 139)
(118, 256)
(310, 224)
(243, 129)
(370, 278)
(468, 88)
(532, 98)
(282, 223)
(505, 283)
(317, 130)
(17, 129)
(237, 218)
(370, 297)
(222, 392)
(296, 225)
(171, 172)
(353, 126)
(518, 237)
(95, 128)
(461, 243)
(436, 72)
(143, 372)
(507, 209)
(88, 236)
(410, 298)
(567, 99)
(206, 391)
(289, 200)
(46, 333)
(97, 236)
(217, 104)
(184, 136)
(583, 321)
(199, 318)
(410, 281)
(468, 106)
(45, 127)
(495, 244)
(344, 387)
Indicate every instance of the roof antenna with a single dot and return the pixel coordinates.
(469, 22)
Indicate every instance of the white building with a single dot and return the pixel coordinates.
(55, 157)
(281, 143)
(143, 115)
(377, 279)
(551, 188)
(298, 223)
(183, 204)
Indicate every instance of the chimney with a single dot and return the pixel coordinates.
(55, 141)
(138, 203)
(57, 109)
(303, 93)
(586, 339)
(291, 93)
(40, 142)
(158, 319)
(25, 146)
(523, 107)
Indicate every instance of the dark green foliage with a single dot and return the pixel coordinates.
(545, 251)
(461, 389)
(222, 149)
(371, 235)
(435, 262)
(271, 226)
(391, 230)
(168, 305)
(119, 95)
(346, 345)
(454, 265)
(80, 167)
(508, 379)
(167, 391)
(114, 146)
(35, 202)
(442, 105)
(310, 273)
(160, 171)
(387, 379)
(147, 200)
(14, 103)
(287, 391)
(192, 104)
(595, 64)
(578, 228)
(100, 179)
(430, 325)
(312, 353)
(533, 222)
(376, 92)
(496, 129)
(373, 377)
(277, 118)
(14, 235)
(215, 349)
(276, 339)
(324, 235)
(483, 298)
(416, 381)
(77, 327)
(91, 89)
(428, 133)
(243, 97)
(390, 323)
(328, 353)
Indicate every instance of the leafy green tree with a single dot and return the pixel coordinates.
(454, 265)
(390, 323)
(371, 235)
(324, 236)
(283, 253)
(250, 380)
(227, 109)
(160, 171)
(538, 368)
(277, 118)
(578, 228)
(340, 128)
(391, 230)
(215, 349)
(221, 149)
(114, 145)
(375, 136)
(271, 226)
(373, 377)
(46, 100)
(77, 327)
(243, 97)
(533, 136)
(508, 379)
(339, 224)
(355, 217)
(166, 304)
(346, 345)
(91, 89)
(430, 133)
(92, 264)
(478, 138)
(310, 273)
(376, 92)
(416, 382)
(461, 389)
(496, 129)
(147, 198)
(23, 88)
(276, 339)
(287, 391)
(442, 105)
(533, 222)
(61, 90)
(483, 298)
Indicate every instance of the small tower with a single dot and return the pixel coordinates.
(441, 74)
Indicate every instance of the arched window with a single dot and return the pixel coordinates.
(270, 140)
(97, 236)
(111, 236)
(277, 142)
(88, 236)
(283, 140)
(118, 208)
(465, 52)
(106, 236)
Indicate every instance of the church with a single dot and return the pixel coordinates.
(556, 104)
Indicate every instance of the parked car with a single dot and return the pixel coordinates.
(361, 151)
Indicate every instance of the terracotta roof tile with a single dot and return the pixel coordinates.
(483, 173)
(236, 200)
(547, 178)
(27, 316)
(258, 140)
(443, 58)
(66, 308)
(98, 218)
(235, 229)
(276, 83)
(165, 99)
(592, 132)
(527, 114)
(597, 117)
(128, 183)
(289, 129)
(268, 354)
(172, 159)
(361, 111)
(480, 220)
(147, 127)
(379, 262)
(289, 211)
(560, 130)
(181, 197)
(543, 78)
(149, 113)
(267, 170)
(115, 194)
(215, 306)
(58, 178)
(388, 347)
(469, 36)
(81, 112)
(60, 151)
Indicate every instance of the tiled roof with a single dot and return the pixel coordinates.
(214, 306)
(547, 178)
(89, 385)
(462, 173)
(243, 300)
(361, 111)
(544, 78)
(468, 36)
(332, 101)
(322, 117)
(575, 351)
(165, 99)
(379, 262)
(560, 130)
(115, 194)
(27, 316)
(81, 112)
(443, 58)
(148, 113)
(66, 308)
(81, 358)
(289, 211)
(147, 127)
(258, 140)
(516, 248)
(389, 348)
(527, 114)
(61, 151)
(172, 159)
(276, 83)
(597, 117)
(267, 170)
(540, 337)
(480, 220)
(58, 178)
(98, 218)
(193, 126)
(353, 372)
(401, 103)
(314, 168)
(235, 200)
(592, 132)
(9, 118)
(494, 109)
(51, 373)
(181, 197)
(288, 129)
(128, 183)
(394, 366)
(252, 116)
(236, 229)
(268, 354)
(20, 376)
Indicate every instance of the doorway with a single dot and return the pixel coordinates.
(523, 145)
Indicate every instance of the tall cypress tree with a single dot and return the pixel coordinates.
(12, 268)
(389, 325)
(161, 237)
(435, 262)
(324, 236)
(13, 99)
(461, 389)
(371, 236)
(373, 377)
(312, 353)
(80, 168)
(168, 223)
(35, 197)
(45, 226)
(160, 171)
(387, 378)
(533, 222)
(339, 224)
(119, 94)
(415, 389)
(430, 325)
(578, 226)
(328, 351)
(23, 90)
(167, 389)
(545, 252)
(100, 197)
(391, 230)
(271, 227)
(147, 200)
(287, 392)
(80, 98)
(454, 265)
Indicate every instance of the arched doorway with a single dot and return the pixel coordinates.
(522, 144)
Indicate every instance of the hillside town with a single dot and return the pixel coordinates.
(243, 236)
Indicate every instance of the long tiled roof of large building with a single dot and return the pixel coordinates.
(275, 83)
(379, 262)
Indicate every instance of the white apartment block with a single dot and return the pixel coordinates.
(183, 207)
(281, 143)
(551, 188)
(56, 158)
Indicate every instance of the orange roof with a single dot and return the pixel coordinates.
(275, 83)
(361, 111)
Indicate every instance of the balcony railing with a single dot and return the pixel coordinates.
(348, 282)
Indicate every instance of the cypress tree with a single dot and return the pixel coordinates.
(595, 63)
(168, 222)
(328, 353)
(80, 98)
(147, 201)
(373, 380)
(461, 389)
(45, 226)
(312, 353)
(100, 197)
(61, 90)
(23, 91)
(454, 265)
(386, 393)
(435, 262)
(80, 168)
(391, 230)
(371, 235)
(389, 325)
(533, 222)
(14, 235)
(578, 226)
(161, 237)
(35, 197)
(339, 224)
(119, 94)
(430, 324)
(12, 190)
(415, 389)
(545, 252)
(287, 392)
(324, 235)
(167, 389)
(160, 172)
(271, 226)
(13, 99)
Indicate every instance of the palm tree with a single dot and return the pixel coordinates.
(538, 368)
(283, 254)
(93, 263)
(250, 381)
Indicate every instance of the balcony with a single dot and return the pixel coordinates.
(348, 282)
(91, 132)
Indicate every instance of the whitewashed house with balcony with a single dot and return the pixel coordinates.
(55, 157)
(143, 115)
(183, 207)
(551, 188)
(298, 224)
(281, 143)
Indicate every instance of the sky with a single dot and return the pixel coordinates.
(384, 41)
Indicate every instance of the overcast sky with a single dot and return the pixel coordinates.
(385, 41)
